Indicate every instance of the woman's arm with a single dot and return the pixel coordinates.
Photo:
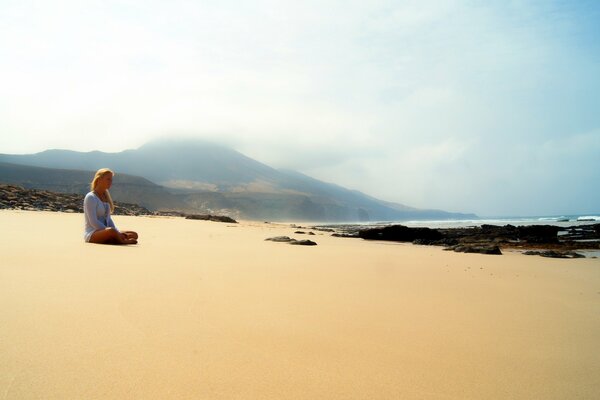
(89, 208)
(111, 223)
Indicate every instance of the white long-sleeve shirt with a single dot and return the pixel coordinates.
(97, 215)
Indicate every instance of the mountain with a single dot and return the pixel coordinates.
(186, 164)
(202, 176)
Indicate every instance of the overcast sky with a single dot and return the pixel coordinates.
(487, 107)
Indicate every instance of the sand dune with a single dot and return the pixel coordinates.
(205, 310)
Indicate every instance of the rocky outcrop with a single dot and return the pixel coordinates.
(554, 254)
(18, 198)
(485, 239)
(495, 250)
(538, 233)
(547, 235)
(400, 233)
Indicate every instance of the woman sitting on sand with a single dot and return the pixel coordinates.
(97, 207)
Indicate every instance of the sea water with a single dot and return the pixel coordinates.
(562, 221)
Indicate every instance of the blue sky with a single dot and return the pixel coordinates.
(485, 107)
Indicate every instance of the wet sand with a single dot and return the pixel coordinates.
(207, 310)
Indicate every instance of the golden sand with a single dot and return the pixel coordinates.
(206, 310)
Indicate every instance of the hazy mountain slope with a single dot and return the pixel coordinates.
(126, 188)
(163, 162)
(298, 181)
(385, 210)
(206, 176)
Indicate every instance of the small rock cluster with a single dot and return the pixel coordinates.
(289, 240)
(18, 198)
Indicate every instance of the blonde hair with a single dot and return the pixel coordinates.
(99, 174)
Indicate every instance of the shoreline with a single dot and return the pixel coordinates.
(564, 241)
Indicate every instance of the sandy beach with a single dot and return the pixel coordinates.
(207, 310)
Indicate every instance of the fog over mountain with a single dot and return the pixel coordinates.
(196, 175)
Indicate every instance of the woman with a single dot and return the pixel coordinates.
(97, 207)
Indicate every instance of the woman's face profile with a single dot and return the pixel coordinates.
(105, 181)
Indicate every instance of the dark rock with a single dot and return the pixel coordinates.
(300, 232)
(280, 239)
(400, 233)
(446, 242)
(495, 250)
(532, 253)
(554, 254)
(303, 243)
(539, 233)
(345, 235)
(423, 241)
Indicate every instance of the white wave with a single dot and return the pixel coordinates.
(588, 218)
(562, 218)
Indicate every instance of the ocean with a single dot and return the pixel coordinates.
(562, 220)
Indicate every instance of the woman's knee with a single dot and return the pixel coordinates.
(105, 236)
(113, 232)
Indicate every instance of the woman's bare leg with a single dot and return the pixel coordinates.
(111, 236)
